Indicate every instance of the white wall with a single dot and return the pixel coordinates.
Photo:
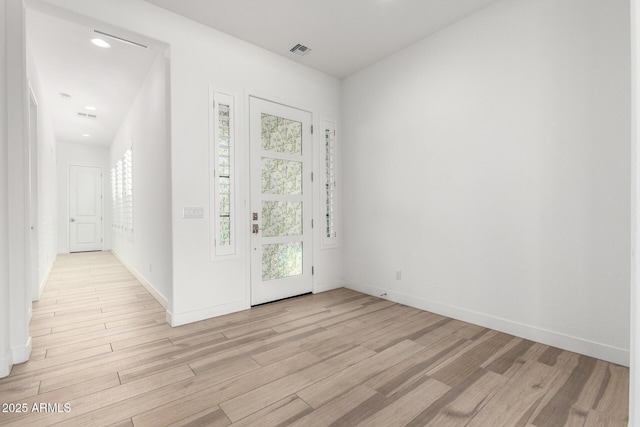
(17, 135)
(5, 348)
(634, 372)
(47, 232)
(490, 163)
(146, 127)
(202, 58)
(80, 155)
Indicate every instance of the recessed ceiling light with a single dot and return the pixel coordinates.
(90, 107)
(100, 43)
(86, 135)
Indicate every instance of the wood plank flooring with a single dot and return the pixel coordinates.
(340, 358)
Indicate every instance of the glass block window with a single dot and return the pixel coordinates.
(122, 195)
(329, 234)
(222, 117)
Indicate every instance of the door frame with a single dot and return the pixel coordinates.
(249, 190)
(33, 241)
(68, 223)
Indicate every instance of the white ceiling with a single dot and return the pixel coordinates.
(68, 62)
(344, 35)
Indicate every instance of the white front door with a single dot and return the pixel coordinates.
(281, 236)
(85, 208)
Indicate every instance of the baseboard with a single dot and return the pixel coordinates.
(6, 363)
(178, 319)
(22, 353)
(43, 283)
(327, 286)
(601, 351)
(144, 282)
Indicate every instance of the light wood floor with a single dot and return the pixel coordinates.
(100, 344)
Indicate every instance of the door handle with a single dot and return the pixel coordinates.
(255, 229)
(72, 220)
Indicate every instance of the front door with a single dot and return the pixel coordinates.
(281, 236)
(85, 208)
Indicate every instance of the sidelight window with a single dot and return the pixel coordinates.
(329, 233)
(122, 195)
(223, 139)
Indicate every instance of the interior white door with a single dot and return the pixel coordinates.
(281, 235)
(85, 208)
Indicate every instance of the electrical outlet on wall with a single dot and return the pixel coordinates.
(399, 275)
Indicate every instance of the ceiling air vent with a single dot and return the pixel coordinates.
(300, 50)
(87, 116)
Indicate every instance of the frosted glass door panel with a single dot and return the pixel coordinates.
(281, 135)
(281, 176)
(281, 260)
(281, 218)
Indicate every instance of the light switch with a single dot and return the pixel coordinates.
(192, 212)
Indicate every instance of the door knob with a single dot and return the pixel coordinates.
(72, 220)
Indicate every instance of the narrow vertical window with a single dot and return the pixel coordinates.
(223, 174)
(122, 195)
(114, 209)
(329, 234)
(127, 193)
(119, 192)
